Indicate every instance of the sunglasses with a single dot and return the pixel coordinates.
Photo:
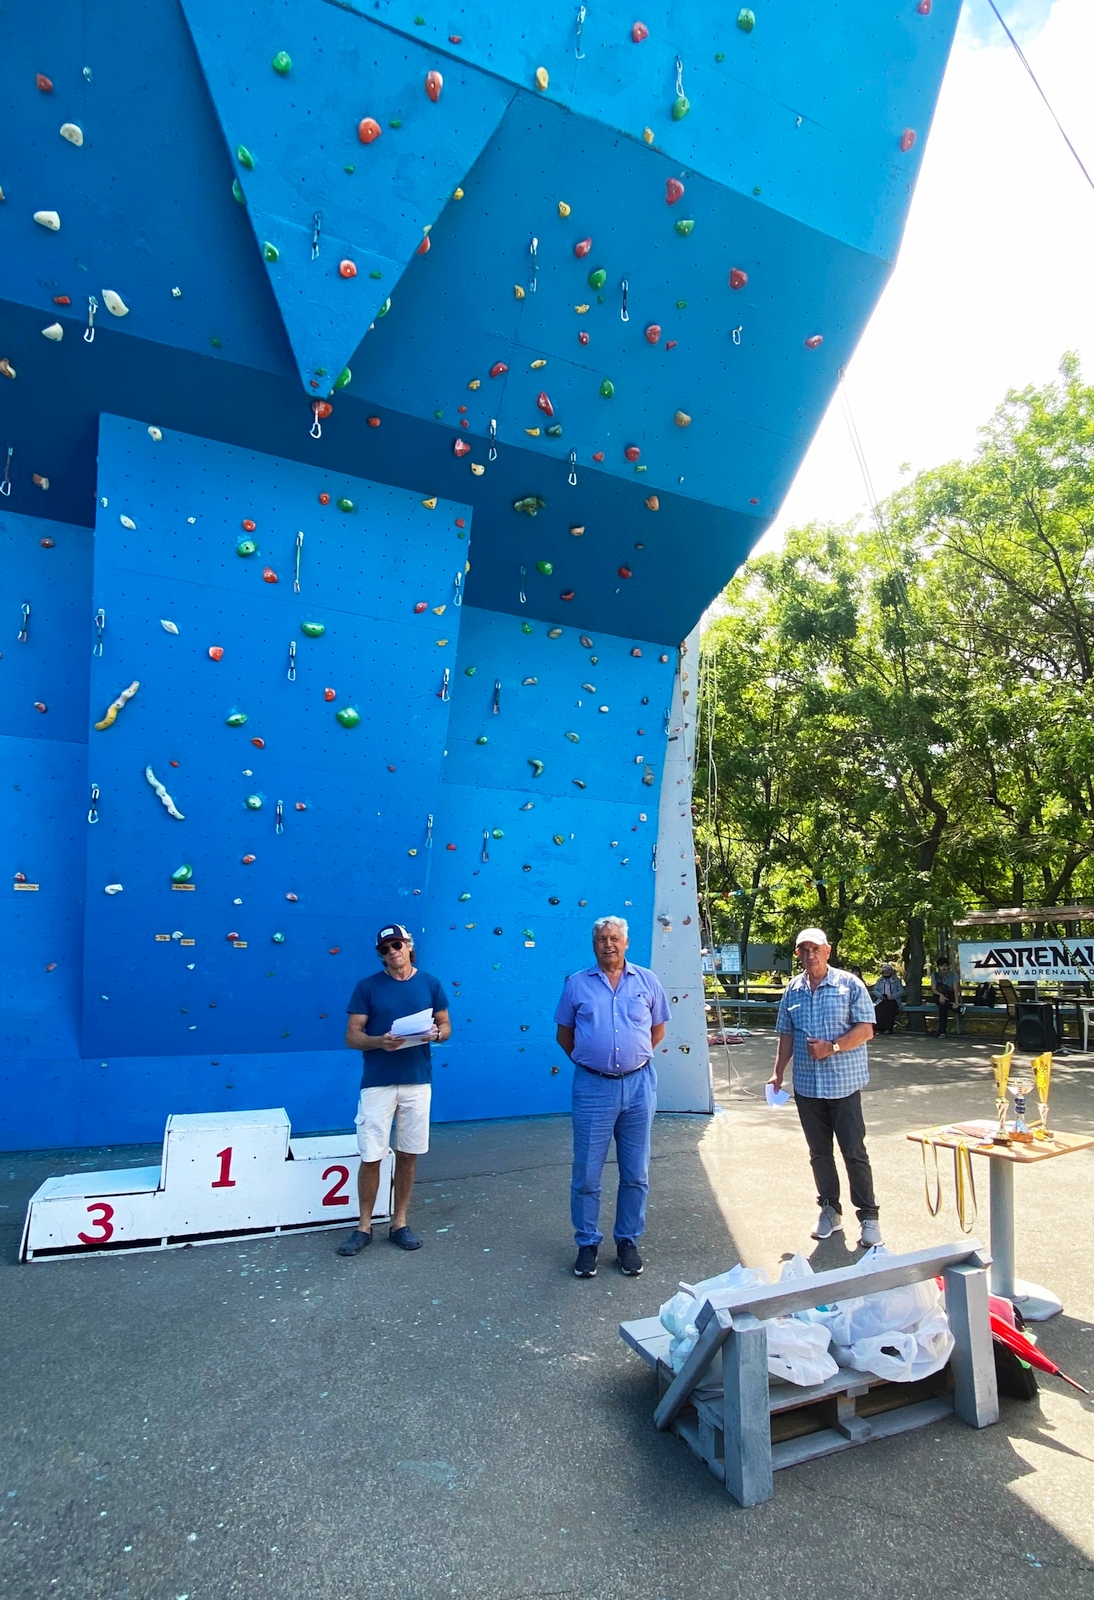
(392, 944)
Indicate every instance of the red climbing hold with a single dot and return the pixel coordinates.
(324, 499)
(583, 337)
(624, 572)
(216, 652)
(368, 129)
(335, 950)
(544, 404)
(269, 575)
(639, 32)
(347, 269)
(249, 861)
(907, 139)
(40, 705)
(670, 344)
(300, 806)
(62, 300)
(329, 694)
(231, 937)
(434, 83)
(450, 847)
(420, 606)
(653, 333)
(248, 525)
(43, 83)
(814, 341)
(423, 248)
(674, 190)
(567, 594)
(463, 422)
(582, 248)
(460, 522)
(924, 8)
(462, 410)
(636, 651)
(753, 501)
(460, 447)
(498, 368)
(455, 38)
(172, 763)
(737, 278)
(259, 744)
(47, 544)
(322, 408)
(632, 452)
(598, 455)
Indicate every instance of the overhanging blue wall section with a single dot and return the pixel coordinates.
(568, 854)
(353, 800)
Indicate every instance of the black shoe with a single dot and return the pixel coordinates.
(585, 1265)
(356, 1242)
(630, 1262)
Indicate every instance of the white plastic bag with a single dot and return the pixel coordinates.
(934, 1344)
(798, 1351)
(678, 1314)
(886, 1355)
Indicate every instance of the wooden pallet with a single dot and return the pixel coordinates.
(745, 1426)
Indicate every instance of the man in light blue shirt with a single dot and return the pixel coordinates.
(610, 1020)
(825, 1019)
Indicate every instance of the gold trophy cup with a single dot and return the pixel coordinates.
(1000, 1066)
(1041, 1067)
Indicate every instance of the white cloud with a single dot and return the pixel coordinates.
(993, 282)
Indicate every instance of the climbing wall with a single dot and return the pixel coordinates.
(264, 795)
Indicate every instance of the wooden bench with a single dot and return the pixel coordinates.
(747, 1426)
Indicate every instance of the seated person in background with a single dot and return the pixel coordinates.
(888, 992)
(945, 994)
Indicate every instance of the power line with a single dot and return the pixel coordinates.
(1041, 92)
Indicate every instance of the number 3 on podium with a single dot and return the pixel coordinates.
(102, 1222)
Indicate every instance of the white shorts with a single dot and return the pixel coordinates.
(408, 1103)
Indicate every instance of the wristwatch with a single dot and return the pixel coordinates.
(835, 1047)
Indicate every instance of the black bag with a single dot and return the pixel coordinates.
(985, 995)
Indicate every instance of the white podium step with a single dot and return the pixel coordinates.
(224, 1174)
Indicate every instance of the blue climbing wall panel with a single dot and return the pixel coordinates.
(587, 284)
(297, 830)
(577, 841)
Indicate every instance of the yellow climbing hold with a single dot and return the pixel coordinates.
(442, 642)
(543, 78)
(431, 503)
(533, 433)
(439, 611)
(475, 383)
(537, 364)
(457, 194)
(581, 310)
(647, 134)
(682, 420)
(518, 292)
(563, 209)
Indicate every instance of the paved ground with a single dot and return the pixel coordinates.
(265, 1419)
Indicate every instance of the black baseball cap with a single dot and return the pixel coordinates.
(394, 930)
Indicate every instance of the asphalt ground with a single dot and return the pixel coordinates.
(267, 1419)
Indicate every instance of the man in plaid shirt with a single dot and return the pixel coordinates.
(825, 1019)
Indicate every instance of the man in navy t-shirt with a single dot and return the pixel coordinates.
(395, 1080)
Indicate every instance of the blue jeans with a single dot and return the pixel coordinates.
(603, 1108)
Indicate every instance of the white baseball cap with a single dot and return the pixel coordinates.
(811, 936)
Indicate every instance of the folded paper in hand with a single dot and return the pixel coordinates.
(776, 1097)
(411, 1028)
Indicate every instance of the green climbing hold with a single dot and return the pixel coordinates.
(182, 874)
(314, 630)
(438, 415)
(237, 192)
(253, 802)
(236, 719)
(680, 107)
(216, 343)
(246, 547)
(384, 309)
(270, 252)
(496, 833)
(345, 505)
(277, 938)
(526, 627)
(681, 305)
(685, 225)
(350, 168)
(607, 388)
(419, 22)
(554, 431)
(545, 567)
(282, 62)
(746, 20)
(465, 895)
(528, 934)
(530, 505)
(343, 378)
(396, 122)
(320, 372)
(757, 190)
(349, 716)
(376, 274)
(720, 56)
(482, 739)
(598, 279)
(469, 672)
(245, 158)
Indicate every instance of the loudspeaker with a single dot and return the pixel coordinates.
(1034, 1030)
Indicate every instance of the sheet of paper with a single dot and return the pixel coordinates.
(412, 1027)
(776, 1097)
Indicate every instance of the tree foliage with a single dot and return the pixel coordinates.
(895, 721)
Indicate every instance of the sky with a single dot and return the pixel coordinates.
(995, 277)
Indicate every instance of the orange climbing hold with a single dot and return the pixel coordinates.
(322, 408)
(62, 300)
(632, 452)
(368, 129)
(249, 861)
(434, 83)
(374, 422)
(814, 341)
(248, 525)
(424, 248)
(269, 575)
(653, 504)
(259, 744)
(43, 83)
(329, 694)
(324, 499)
(347, 269)
(216, 652)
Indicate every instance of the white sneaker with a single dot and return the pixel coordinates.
(829, 1222)
(871, 1233)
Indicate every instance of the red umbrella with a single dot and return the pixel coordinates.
(1026, 1350)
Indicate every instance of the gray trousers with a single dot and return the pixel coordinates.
(823, 1120)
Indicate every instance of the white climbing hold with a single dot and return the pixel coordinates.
(72, 132)
(127, 522)
(115, 304)
(48, 219)
(113, 888)
(176, 293)
(170, 805)
(54, 332)
(168, 626)
(155, 433)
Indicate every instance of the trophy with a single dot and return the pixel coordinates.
(1000, 1066)
(1041, 1067)
(1022, 1132)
